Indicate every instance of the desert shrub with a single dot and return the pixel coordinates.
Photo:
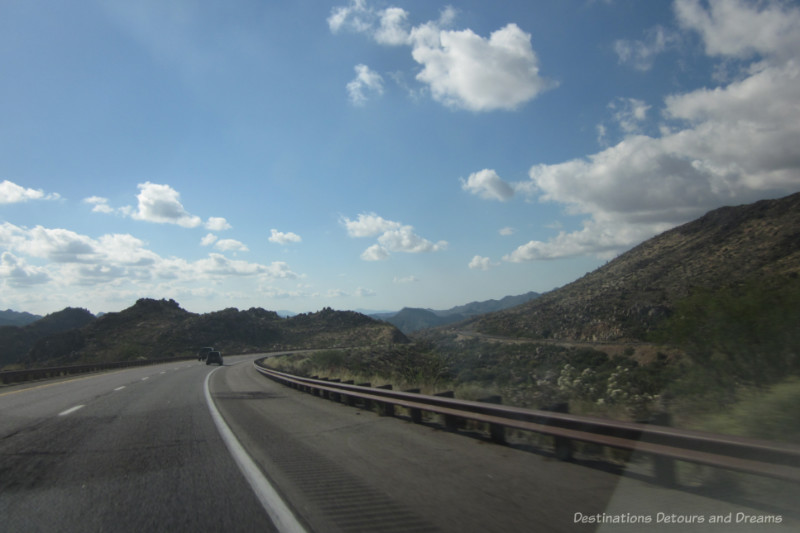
(769, 413)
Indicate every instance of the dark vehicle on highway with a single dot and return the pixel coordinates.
(203, 353)
(214, 357)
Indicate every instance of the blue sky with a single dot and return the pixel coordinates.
(366, 154)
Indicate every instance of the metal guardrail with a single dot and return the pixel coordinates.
(664, 444)
(19, 376)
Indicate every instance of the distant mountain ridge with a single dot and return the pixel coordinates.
(161, 328)
(632, 294)
(411, 319)
(14, 318)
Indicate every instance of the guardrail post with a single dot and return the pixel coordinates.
(496, 432)
(416, 414)
(349, 400)
(335, 396)
(367, 403)
(385, 408)
(563, 446)
(450, 422)
(663, 467)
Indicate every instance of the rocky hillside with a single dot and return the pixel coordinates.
(17, 341)
(161, 328)
(631, 295)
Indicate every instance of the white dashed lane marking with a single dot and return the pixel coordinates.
(70, 410)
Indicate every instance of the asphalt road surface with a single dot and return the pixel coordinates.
(188, 447)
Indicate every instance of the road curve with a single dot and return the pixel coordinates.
(139, 449)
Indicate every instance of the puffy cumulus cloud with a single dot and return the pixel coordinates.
(487, 184)
(738, 28)
(15, 272)
(368, 225)
(230, 245)
(732, 144)
(54, 244)
(126, 250)
(11, 193)
(392, 237)
(480, 263)
(376, 252)
(367, 82)
(161, 204)
(467, 71)
(217, 224)
(78, 261)
(283, 238)
(462, 69)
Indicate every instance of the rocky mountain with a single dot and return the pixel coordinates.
(161, 328)
(410, 319)
(631, 295)
(17, 341)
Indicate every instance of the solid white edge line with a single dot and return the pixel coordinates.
(280, 514)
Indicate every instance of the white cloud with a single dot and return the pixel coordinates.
(404, 239)
(742, 29)
(15, 272)
(392, 30)
(100, 204)
(208, 240)
(732, 144)
(368, 225)
(217, 224)
(376, 252)
(487, 184)
(356, 16)
(11, 193)
(161, 204)
(283, 238)
(480, 263)
(462, 69)
(467, 71)
(78, 260)
(406, 279)
(230, 245)
(361, 292)
(367, 82)
(392, 237)
(507, 231)
(629, 113)
(219, 265)
(641, 54)
(280, 269)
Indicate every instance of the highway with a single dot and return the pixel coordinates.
(155, 449)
